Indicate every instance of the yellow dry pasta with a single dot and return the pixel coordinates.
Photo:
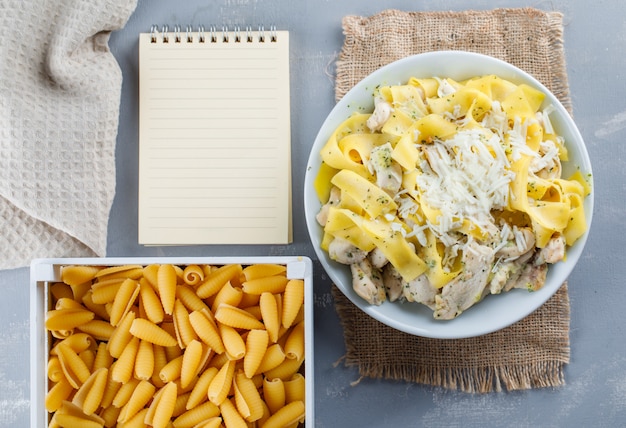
(77, 275)
(293, 298)
(289, 414)
(166, 284)
(184, 331)
(206, 330)
(294, 345)
(193, 275)
(151, 302)
(216, 280)
(128, 362)
(274, 393)
(256, 345)
(196, 415)
(160, 411)
(147, 330)
(295, 388)
(144, 360)
(272, 284)
(142, 394)
(236, 317)
(234, 344)
(89, 395)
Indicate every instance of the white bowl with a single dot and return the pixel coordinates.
(494, 312)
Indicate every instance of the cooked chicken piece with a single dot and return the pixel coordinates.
(393, 282)
(532, 277)
(367, 282)
(468, 287)
(508, 271)
(382, 111)
(333, 201)
(420, 290)
(388, 172)
(343, 251)
(553, 252)
(523, 241)
(378, 258)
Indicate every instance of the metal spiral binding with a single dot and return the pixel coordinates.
(271, 35)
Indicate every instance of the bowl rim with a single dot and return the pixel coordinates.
(396, 73)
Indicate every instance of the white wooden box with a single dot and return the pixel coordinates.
(44, 272)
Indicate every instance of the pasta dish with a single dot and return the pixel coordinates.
(447, 192)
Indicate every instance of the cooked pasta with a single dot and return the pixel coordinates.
(167, 345)
(490, 145)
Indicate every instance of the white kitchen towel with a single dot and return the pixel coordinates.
(59, 105)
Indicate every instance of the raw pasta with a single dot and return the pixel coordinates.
(181, 346)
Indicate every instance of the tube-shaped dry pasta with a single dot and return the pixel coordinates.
(248, 300)
(237, 317)
(89, 395)
(232, 418)
(187, 295)
(295, 388)
(75, 370)
(221, 383)
(125, 364)
(160, 360)
(274, 393)
(255, 311)
(125, 392)
(136, 421)
(233, 342)
(162, 407)
(196, 415)
(198, 394)
(104, 291)
(97, 308)
(171, 371)
(59, 290)
(166, 283)
(272, 284)
(286, 369)
(67, 319)
(146, 330)
(144, 361)
(151, 273)
(76, 275)
(181, 402)
(193, 275)
(111, 390)
(77, 342)
(250, 395)
(185, 333)
(216, 280)
(192, 362)
(71, 420)
(109, 415)
(206, 330)
(121, 335)
(270, 315)
(124, 300)
(273, 357)
(293, 299)
(260, 270)
(151, 302)
(103, 357)
(227, 294)
(57, 394)
(142, 394)
(88, 356)
(215, 422)
(99, 329)
(289, 414)
(256, 345)
(54, 370)
(294, 346)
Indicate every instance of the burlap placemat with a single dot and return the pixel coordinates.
(533, 352)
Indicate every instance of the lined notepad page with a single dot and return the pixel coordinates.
(214, 139)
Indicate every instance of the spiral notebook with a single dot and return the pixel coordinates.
(214, 137)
